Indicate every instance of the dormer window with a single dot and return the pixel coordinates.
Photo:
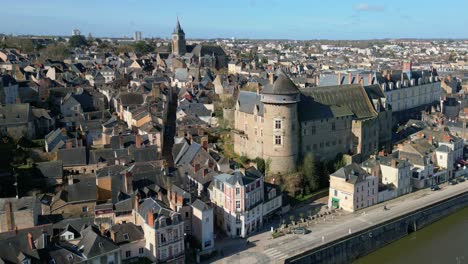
(126, 236)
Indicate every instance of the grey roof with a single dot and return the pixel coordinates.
(73, 156)
(200, 205)
(251, 174)
(93, 244)
(281, 86)
(14, 114)
(335, 101)
(443, 148)
(126, 233)
(21, 204)
(248, 101)
(159, 211)
(352, 173)
(197, 109)
(51, 169)
(84, 190)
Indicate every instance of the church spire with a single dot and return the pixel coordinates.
(178, 29)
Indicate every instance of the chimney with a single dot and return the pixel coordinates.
(9, 216)
(121, 141)
(339, 78)
(204, 143)
(136, 205)
(271, 77)
(150, 218)
(407, 66)
(370, 78)
(205, 172)
(31, 242)
(394, 163)
(70, 180)
(350, 76)
(358, 78)
(389, 77)
(68, 144)
(138, 141)
(112, 235)
(258, 89)
(128, 182)
(317, 80)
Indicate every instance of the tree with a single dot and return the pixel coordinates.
(143, 47)
(309, 170)
(77, 41)
(55, 52)
(260, 164)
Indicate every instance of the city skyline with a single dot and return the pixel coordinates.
(254, 19)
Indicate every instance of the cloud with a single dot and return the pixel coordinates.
(368, 8)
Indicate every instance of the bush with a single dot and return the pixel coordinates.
(243, 159)
(276, 234)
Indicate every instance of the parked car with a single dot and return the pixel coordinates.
(466, 177)
(461, 179)
(299, 231)
(435, 188)
(452, 182)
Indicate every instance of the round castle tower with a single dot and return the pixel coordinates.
(281, 124)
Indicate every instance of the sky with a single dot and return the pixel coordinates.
(255, 19)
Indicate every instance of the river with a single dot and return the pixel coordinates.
(445, 241)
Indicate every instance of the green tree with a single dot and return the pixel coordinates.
(54, 52)
(143, 47)
(260, 164)
(309, 171)
(77, 41)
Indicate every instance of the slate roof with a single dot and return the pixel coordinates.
(84, 190)
(248, 101)
(201, 50)
(251, 175)
(201, 206)
(281, 86)
(335, 101)
(126, 233)
(159, 209)
(92, 244)
(73, 156)
(352, 173)
(51, 169)
(13, 114)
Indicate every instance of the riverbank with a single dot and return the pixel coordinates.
(407, 216)
(444, 241)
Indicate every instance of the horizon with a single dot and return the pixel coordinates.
(246, 19)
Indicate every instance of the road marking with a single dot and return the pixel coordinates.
(275, 253)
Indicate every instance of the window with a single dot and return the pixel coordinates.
(84, 209)
(126, 236)
(237, 204)
(128, 253)
(186, 214)
(237, 191)
(312, 130)
(336, 193)
(277, 140)
(333, 126)
(277, 124)
(141, 251)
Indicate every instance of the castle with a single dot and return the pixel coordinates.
(281, 123)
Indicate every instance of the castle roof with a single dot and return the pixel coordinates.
(336, 101)
(281, 86)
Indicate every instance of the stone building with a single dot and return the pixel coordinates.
(282, 123)
(178, 40)
(352, 188)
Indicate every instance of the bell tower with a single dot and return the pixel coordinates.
(178, 40)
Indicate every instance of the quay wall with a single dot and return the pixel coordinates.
(361, 243)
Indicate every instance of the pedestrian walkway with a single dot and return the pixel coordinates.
(274, 253)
